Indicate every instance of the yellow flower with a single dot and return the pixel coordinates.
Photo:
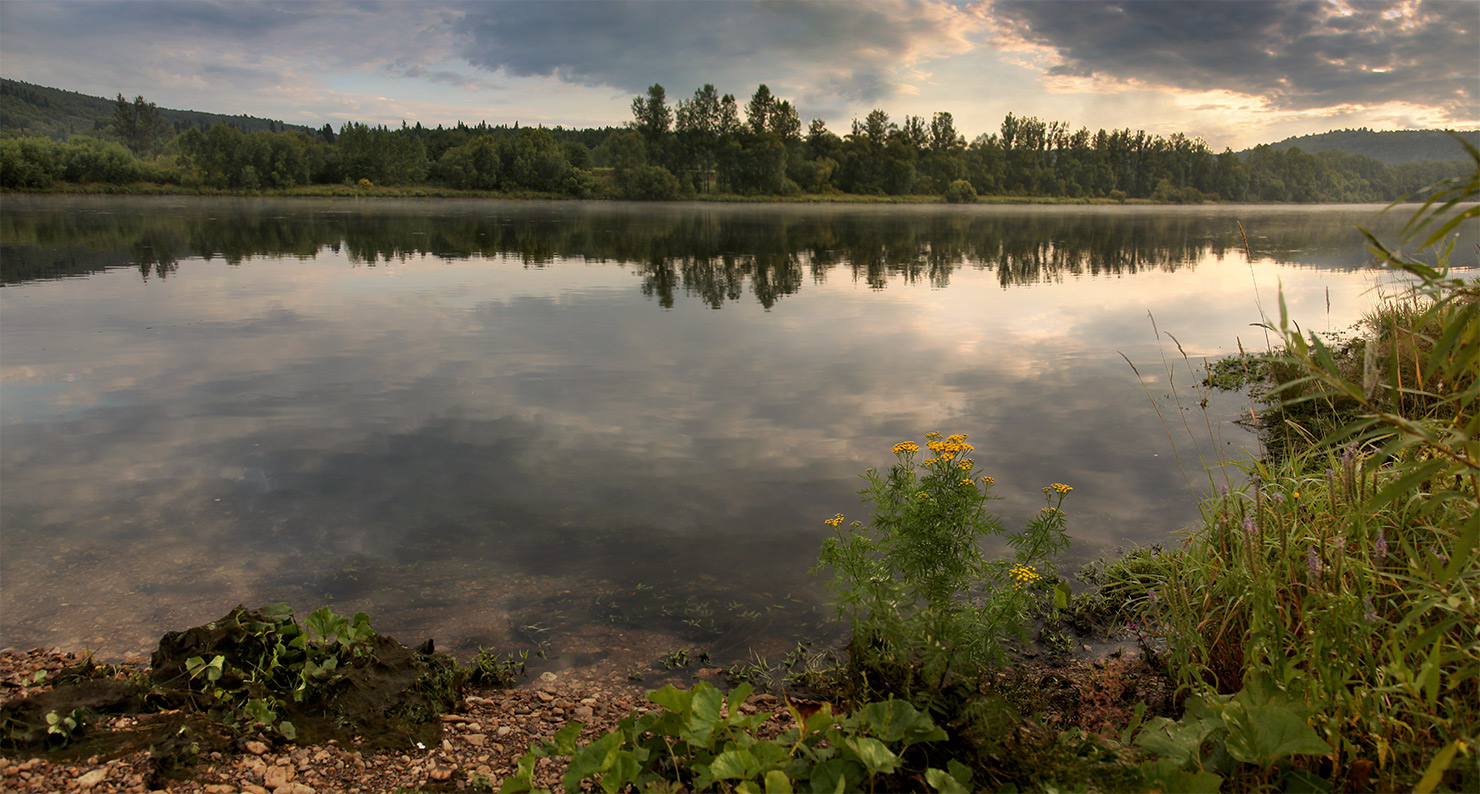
(987, 480)
(1058, 488)
(966, 481)
(1297, 494)
(932, 435)
(1024, 574)
(966, 465)
(922, 496)
(835, 520)
(905, 447)
(1049, 510)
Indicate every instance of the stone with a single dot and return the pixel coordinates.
(583, 712)
(441, 772)
(547, 677)
(91, 779)
(277, 777)
(476, 739)
(256, 748)
(504, 730)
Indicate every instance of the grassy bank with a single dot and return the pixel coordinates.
(433, 191)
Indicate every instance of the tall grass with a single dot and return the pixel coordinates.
(1346, 570)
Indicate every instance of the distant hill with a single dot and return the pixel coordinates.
(27, 109)
(1392, 148)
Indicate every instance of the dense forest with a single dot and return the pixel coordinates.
(696, 147)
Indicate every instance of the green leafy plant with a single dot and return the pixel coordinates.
(490, 668)
(701, 740)
(922, 601)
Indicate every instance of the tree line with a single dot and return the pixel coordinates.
(709, 144)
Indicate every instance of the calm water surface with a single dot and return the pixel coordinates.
(615, 428)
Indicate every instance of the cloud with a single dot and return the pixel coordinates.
(822, 52)
(1296, 55)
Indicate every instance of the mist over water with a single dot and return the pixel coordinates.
(613, 428)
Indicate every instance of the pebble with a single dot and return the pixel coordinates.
(476, 739)
(585, 712)
(89, 779)
(440, 772)
(547, 677)
(256, 748)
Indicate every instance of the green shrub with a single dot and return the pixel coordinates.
(960, 192)
(922, 602)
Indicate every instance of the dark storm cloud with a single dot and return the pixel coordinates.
(1299, 55)
(851, 50)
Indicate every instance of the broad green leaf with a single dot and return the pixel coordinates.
(777, 782)
(899, 721)
(564, 740)
(1264, 729)
(959, 771)
(1061, 595)
(737, 764)
(943, 782)
(672, 698)
(624, 768)
(876, 757)
(1168, 776)
(835, 776)
(1178, 741)
(586, 761)
(287, 730)
(769, 755)
(325, 623)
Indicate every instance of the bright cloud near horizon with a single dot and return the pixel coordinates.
(1233, 72)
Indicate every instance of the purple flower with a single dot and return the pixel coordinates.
(1250, 528)
(1441, 556)
(1223, 491)
(1331, 478)
(1313, 561)
(1349, 455)
(1338, 545)
(1277, 497)
(1368, 613)
(1379, 550)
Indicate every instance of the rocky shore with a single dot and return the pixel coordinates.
(482, 741)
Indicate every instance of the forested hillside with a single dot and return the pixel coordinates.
(700, 146)
(27, 109)
(1392, 148)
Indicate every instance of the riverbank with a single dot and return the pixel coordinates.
(428, 191)
(482, 739)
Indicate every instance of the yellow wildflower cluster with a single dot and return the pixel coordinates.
(987, 480)
(1024, 574)
(966, 481)
(906, 446)
(922, 496)
(835, 520)
(1050, 510)
(1058, 488)
(966, 464)
(935, 434)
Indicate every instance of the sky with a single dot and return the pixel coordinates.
(1232, 72)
